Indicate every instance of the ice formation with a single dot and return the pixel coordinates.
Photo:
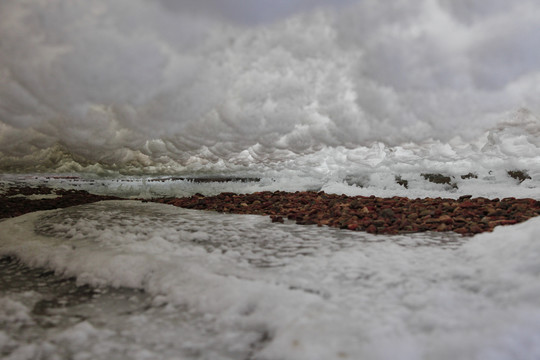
(241, 286)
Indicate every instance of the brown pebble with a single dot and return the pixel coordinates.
(466, 216)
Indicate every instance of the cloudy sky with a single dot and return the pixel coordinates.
(105, 79)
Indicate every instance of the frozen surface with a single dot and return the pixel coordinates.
(240, 287)
(383, 185)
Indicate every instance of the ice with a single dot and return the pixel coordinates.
(14, 313)
(376, 181)
(240, 286)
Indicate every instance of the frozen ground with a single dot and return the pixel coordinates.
(383, 185)
(240, 287)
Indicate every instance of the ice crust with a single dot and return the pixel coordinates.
(380, 184)
(248, 287)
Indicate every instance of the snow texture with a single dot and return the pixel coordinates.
(253, 289)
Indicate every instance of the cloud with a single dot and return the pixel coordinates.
(250, 12)
(220, 78)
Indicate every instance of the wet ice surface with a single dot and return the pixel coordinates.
(219, 286)
(47, 315)
(252, 238)
(39, 307)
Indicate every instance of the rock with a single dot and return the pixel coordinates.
(371, 229)
(466, 215)
(388, 213)
(467, 204)
(352, 226)
(442, 227)
(446, 219)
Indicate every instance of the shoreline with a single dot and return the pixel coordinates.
(376, 215)
(17, 201)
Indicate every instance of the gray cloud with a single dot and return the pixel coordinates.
(250, 12)
(174, 78)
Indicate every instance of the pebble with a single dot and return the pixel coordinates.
(466, 215)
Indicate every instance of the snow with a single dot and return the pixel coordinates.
(283, 290)
(13, 312)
